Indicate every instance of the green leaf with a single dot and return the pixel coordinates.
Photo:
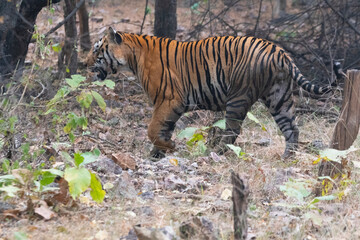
(56, 47)
(296, 188)
(60, 94)
(6, 179)
(67, 128)
(20, 236)
(196, 138)
(12, 121)
(82, 122)
(254, 119)
(202, 147)
(75, 80)
(97, 152)
(147, 10)
(71, 137)
(97, 193)
(67, 157)
(78, 158)
(89, 157)
(6, 165)
(54, 171)
(85, 99)
(325, 198)
(99, 99)
(237, 150)
(187, 133)
(221, 124)
(108, 83)
(47, 178)
(9, 190)
(315, 217)
(336, 155)
(78, 179)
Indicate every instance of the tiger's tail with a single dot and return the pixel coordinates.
(303, 82)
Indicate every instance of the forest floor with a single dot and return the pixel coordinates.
(189, 187)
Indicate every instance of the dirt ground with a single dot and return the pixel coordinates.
(188, 188)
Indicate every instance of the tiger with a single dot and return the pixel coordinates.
(228, 73)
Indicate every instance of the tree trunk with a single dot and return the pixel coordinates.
(67, 61)
(16, 31)
(165, 18)
(85, 43)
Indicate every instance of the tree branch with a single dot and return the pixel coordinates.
(78, 5)
(343, 17)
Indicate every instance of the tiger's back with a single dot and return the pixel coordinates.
(219, 73)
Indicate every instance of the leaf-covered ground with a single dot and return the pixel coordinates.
(186, 190)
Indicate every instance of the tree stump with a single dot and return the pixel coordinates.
(346, 129)
(239, 197)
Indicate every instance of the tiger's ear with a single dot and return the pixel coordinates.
(114, 36)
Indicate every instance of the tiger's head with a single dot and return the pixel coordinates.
(108, 54)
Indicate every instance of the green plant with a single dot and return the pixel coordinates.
(80, 178)
(29, 182)
(77, 87)
(196, 137)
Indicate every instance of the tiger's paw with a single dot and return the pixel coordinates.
(156, 154)
(288, 155)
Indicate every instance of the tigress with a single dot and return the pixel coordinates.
(218, 73)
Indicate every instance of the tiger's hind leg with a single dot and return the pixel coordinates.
(162, 126)
(236, 110)
(281, 105)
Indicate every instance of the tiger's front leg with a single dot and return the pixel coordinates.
(161, 128)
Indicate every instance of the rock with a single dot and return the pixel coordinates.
(105, 165)
(22, 222)
(264, 142)
(113, 121)
(124, 160)
(147, 195)
(131, 236)
(198, 228)
(130, 214)
(226, 194)
(173, 182)
(5, 206)
(317, 144)
(165, 233)
(144, 211)
(124, 187)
